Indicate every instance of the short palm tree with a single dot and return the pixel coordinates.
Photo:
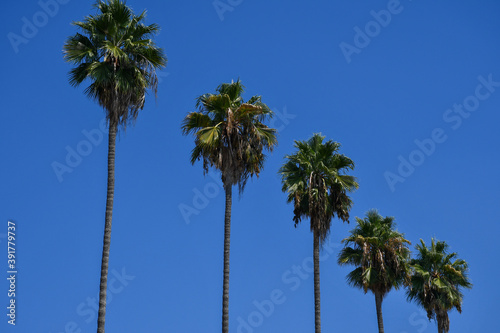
(115, 52)
(230, 135)
(436, 280)
(314, 179)
(380, 254)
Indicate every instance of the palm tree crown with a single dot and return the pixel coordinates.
(314, 179)
(230, 134)
(437, 277)
(380, 255)
(115, 52)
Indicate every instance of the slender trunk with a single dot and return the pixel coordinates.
(107, 227)
(317, 293)
(440, 325)
(378, 304)
(227, 237)
(443, 321)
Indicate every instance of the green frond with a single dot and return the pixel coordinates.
(196, 153)
(151, 56)
(350, 256)
(113, 50)
(266, 135)
(367, 278)
(355, 278)
(195, 121)
(79, 48)
(233, 90)
(101, 73)
(254, 100)
(78, 74)
(209, 136)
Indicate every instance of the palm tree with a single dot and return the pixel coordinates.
(380, 254)
(115, 52)
(230, 135)
(315, 182)
(436, 280)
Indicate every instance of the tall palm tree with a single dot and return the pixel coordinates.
(314, 179)
(115, 52)
(380, 254)
(230, 135)
(436, 280)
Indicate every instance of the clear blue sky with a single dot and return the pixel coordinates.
(419, 91)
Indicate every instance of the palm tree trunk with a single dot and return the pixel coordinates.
(440, 325)
(317, 293)
(227, 237)
(443, 321)
(107, 227)
(378, 304)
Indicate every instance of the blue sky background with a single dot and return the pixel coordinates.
(167, 269)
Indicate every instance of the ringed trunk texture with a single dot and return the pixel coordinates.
(378, 304)
(317, 293)
(443, 321)
(227, 237)
(107, 227)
